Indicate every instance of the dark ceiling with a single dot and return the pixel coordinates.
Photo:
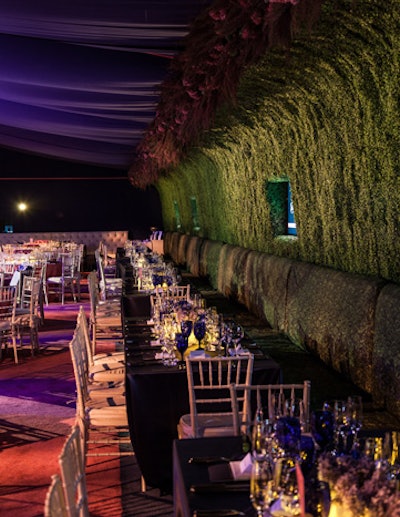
(79, 78)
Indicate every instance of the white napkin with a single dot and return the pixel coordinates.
(241, 469)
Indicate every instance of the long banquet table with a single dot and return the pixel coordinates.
(156, 397)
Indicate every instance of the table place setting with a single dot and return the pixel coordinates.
(334, 469)
(232, 470)
(222, 512)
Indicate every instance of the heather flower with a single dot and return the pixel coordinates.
(360, 485)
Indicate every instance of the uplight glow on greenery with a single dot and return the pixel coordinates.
(327, 120)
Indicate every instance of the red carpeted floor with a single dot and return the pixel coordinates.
(37, 410)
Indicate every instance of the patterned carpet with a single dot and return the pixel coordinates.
(37, 410)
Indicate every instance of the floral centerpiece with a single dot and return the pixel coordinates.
(358, 487)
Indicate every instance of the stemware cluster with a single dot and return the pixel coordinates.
(231, 336)
(178, 324)
(276, 444)
(336, 426)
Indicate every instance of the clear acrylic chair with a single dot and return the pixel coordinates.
(110, 287)
(27, 315)
(8, 305)
(67, 278)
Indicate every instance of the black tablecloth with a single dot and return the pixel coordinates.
(156, 397)
(187, 474)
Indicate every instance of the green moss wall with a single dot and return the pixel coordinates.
(327, 119)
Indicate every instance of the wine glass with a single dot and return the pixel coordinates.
(237, 335)
(288, 435)
(182, 344)
(288, 486)
(262, 487)
(186, 327)
(263, 439)
(355, 411)
(199, 330)
(322, 425)
(343, 431)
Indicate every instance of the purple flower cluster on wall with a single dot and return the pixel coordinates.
(224, 39)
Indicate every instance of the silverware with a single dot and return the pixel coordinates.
(217, 513)
(214, 459)
(209, 459)
(206, 488)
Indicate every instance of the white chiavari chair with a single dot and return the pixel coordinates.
(73, 476)
(55, 504)
(103, 421)
(105, 315)
(209, 380)
(273, 399)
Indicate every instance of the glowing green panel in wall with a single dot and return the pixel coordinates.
(195, 216)
(279, 198)
(178, 223)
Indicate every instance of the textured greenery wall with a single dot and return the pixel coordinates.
(327, 119)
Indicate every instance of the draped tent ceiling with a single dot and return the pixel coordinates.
(117, 84)
(79, 78)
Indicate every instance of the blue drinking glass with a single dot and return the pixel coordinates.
(322, 428)
(182, 344)
(288, 435)
(199, 330)
(186, 327)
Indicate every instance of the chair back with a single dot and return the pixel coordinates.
(15, 279)
(55, 504)
(110, 287)
(73, 476)
(93, 287)
(8, 306)
(29, 300)
(78, 354)
(77, 254)
(209, 380)
(83, 339)
(179, 292)
(8, 298)
(67, 266)
(273, 399)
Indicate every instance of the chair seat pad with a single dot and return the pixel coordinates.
(102, 373)
(26, 319)
(110, 359)
(5, 325)
(108, 416)
(20, 311)
(101, 391)
(59, 279)
(113, 397)
(109, 321)
(209, 425)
